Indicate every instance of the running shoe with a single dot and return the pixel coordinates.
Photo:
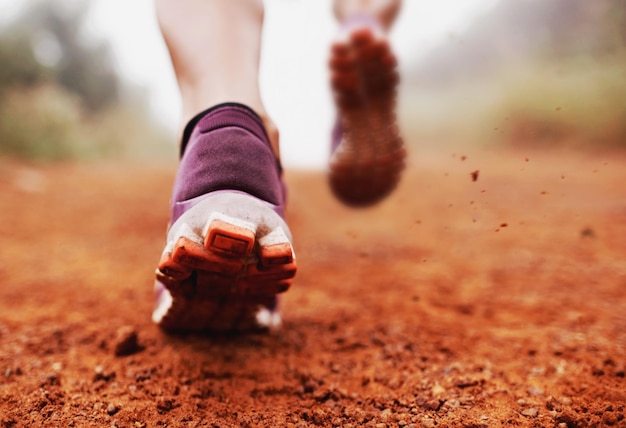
(228, 252)
(367, 153)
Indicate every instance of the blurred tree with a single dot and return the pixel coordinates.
(60, 96)
(46, 43)
(19, 66)
(529, 72)
(527, 31)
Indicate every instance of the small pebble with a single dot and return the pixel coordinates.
(428, 423)
(165, 405)
(126, 342)
(100, 374)
(433, 404)
(450, 405)
(531, 412)
(112, 409)
(386, 415)
(438, 390)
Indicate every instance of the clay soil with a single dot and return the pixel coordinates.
(456, 303)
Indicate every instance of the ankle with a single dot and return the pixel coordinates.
(272, 133)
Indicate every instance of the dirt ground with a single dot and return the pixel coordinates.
(456, 303)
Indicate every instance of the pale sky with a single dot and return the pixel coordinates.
(293, 65)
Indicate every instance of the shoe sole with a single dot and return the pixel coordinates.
(368, 163)
(224, 273)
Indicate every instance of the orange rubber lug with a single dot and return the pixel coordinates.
(279, 254)
(166, 280)
(257, 272)
(228, 239)
(195, 256)
(184, 288)
(170, 268)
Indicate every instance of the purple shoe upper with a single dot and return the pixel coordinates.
(227, 148)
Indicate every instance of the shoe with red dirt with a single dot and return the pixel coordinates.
(228, 252)
(367, 150)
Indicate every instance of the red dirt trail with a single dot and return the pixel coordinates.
(456, 303)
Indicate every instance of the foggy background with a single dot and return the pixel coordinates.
(91, 79)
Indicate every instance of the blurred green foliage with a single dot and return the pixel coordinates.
(549, 73)
(60, 95)
(39, 122)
